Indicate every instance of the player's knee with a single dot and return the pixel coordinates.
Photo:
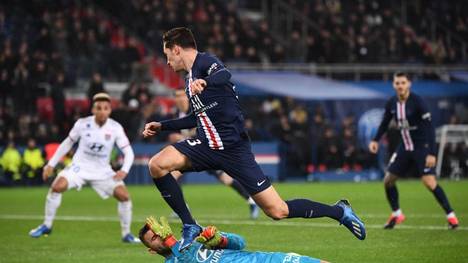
(430, 184)
(58, 188)
(122, 197)
(155, 167)
(389, 180)
(121, 193)
(276, 213)
(59, 185)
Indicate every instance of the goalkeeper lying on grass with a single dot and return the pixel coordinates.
(211, 246)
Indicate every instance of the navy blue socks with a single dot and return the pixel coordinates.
(439, 194)
(310, 209)
(392, 197)
(172, 194)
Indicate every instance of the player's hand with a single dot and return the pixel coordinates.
(120, 175)
(197, 86)
(210, 237)
(373, 147)
(162, 228)
(430, 161)
(46, 172)
(151, 129)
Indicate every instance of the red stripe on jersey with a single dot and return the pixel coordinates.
(210, 131)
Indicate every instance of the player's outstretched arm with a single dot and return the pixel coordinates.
(63, 149)
(212, 238)
(187, 122)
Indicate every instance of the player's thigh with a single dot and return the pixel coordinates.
(271, 203)
(419, 157)
(400, 162)
(69, 178)
(239, 163)
(169, 159)
(108, 187)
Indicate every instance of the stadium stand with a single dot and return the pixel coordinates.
(51, 49)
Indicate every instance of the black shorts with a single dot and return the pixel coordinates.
(237, 160)
(402, 160)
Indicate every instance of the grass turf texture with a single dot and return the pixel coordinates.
(87, 228)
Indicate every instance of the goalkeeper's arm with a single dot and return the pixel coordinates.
(212, 238)
(234, 241)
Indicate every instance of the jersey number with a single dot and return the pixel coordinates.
(193, 142)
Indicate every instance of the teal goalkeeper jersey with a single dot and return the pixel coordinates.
(197, 253)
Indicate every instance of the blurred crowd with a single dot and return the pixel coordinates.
(40, 40)
(347, 31)
(373, 31)
(216, 25)
(47, 46)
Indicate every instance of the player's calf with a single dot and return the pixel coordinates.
(277, 212)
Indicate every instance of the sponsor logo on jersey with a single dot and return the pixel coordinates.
(208, 255)
(204, 254)
(292, 258)
(96, 147)
(212, 68)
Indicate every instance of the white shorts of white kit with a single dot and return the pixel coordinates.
(103, 183)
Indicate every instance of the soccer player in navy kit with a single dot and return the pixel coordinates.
(221, 143)
(417, 148)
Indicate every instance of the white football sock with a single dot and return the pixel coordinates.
(451, 214)
(125, 215)
(396, 213)
(53, 201)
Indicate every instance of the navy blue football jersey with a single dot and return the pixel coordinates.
(218, 114)
(414, 121)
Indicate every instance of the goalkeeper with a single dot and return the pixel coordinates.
(211, 246)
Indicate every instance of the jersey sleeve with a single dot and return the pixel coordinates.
(74, 133)
(234, 242)
(121, 139)
(387, 117)
(216, 72)
(124, 145)
(187, 122)
(427, 126)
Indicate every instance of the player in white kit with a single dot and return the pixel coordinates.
(96, 136)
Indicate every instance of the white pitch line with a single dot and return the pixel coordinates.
(225, 222)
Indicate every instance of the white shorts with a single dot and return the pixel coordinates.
(103, 185)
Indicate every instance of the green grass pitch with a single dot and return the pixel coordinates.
(87, 228)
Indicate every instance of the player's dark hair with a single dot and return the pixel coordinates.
(142, 233)
(180, 36)
(399, 74)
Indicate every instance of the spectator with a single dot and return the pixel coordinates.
(330, 151)
(58, 98)
(96, 86)
(33, 163)
(11, 164)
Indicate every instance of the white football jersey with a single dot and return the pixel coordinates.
(96, 144)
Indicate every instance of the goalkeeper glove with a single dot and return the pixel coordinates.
(162, 229)
(212, 238)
